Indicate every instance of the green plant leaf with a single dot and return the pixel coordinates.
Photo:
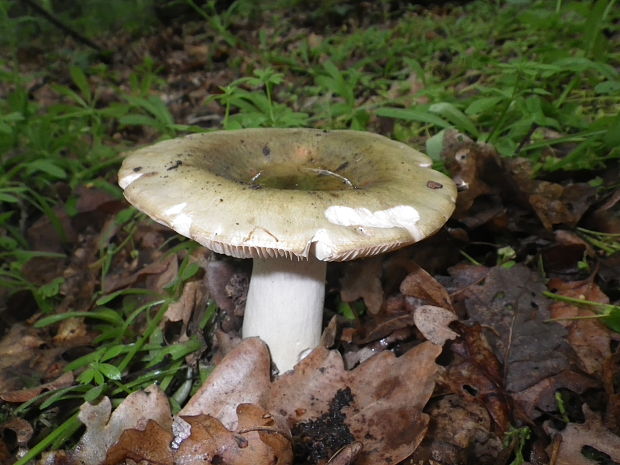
(455, 116)
(80, 80)
(109, 371)
(482, 105)
(94, 393)
(46, 166)
(434, 145)
(4, 197)
(103, 300)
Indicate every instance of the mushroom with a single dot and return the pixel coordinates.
(291, 199)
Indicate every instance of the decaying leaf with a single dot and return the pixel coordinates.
(151, 445)
(433, 323)
(362, 279)
(129, 277)
(24, 395)
(540, 398)
(576, 437)
(458, 428)
(242, 377)
(192, 300)
(610, 375)
(389, 394)
(474, 168)
(104, 427)
(477, 375)
(346, 455)
(558, 204)
(22, 430)
(23, 354)
(258, 440)
(421, 285)
(511, 304)
(589, 338)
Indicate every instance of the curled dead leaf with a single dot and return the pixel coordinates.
(152, 445)
(433, 322)
(420, 284)
(104, 427)
(347, 454)
(242, 377)
(259, 440)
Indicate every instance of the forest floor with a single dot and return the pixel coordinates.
(496, 341)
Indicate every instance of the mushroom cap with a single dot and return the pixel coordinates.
(334, 195)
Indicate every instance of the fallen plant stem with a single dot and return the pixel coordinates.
(62, 26)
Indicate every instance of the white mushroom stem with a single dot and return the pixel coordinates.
(285, 307)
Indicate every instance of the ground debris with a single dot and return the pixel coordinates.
(590, 438)
(318, 439)
(511, 305)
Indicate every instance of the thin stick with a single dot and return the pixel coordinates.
(62, 26)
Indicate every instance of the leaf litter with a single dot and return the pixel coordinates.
(441, 367)
(501, 342)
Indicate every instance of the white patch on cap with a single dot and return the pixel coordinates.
(179, 221)
(324, 245)
(127, 180)
(401, 216)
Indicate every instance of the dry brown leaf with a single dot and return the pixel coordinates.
(590, 339)
(113, 282)
(420, 284)
(24, 395)
(22, 430)
(576, 436)
(307, 392)
(192, 299)
(259, 440)
(558, 204)
(433, 322)
(24, 354)
(151, 445)
(347, 454)
(362, 279)
(242, 377)
(389, 394)
(610, 375)
(103, 429)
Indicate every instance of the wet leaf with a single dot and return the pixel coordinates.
(575, 437)
(511, 304)
(590, 339)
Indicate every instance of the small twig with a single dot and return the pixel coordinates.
(62, 26)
